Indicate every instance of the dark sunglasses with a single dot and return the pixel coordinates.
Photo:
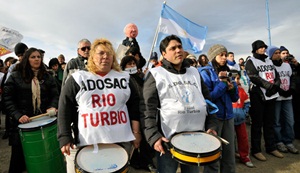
(84, 48)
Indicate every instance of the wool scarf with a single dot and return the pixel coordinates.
(36, 93)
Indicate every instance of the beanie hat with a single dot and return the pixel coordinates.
(271, 50)
(215, 50)
(20, 49)
(154, 56)
(258, 44)
(126, 59)
(282, 48)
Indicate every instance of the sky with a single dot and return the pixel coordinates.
(56, 26)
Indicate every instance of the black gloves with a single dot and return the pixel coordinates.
(285, 93)
(273, 90)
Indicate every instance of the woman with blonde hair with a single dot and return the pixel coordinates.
(102, 89)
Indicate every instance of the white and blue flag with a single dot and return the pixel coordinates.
(191, 34)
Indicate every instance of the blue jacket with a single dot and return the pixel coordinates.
(219, 93)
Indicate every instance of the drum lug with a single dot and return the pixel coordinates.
(198, 156)
(21, 134)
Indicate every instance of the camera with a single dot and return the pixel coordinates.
(232, 73)
(289, 58)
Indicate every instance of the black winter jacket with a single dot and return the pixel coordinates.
(17, 97)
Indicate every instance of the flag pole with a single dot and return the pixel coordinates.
(154, 40)
(268, 20)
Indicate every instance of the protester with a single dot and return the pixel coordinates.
(63, 66)
(116, 95)
(285, 55)
(30, 90)
(241, 61)
(240, 110)
(61, 59)
(141, 157)
(134, 51)
(56, 71)
(223, 91)
(78, 63)
(192, 60)
(203, 60)
(7, 62)
(19, 49)
(284, 117)
(231, 62)
(153, 59)
(265, 83)
(161, 111)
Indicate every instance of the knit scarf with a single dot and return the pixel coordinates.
(36, 93)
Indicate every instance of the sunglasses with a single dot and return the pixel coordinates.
(85, 48)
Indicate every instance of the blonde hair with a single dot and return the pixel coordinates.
(107, 46)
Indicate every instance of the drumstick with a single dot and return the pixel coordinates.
(221, 139)
(50, 113)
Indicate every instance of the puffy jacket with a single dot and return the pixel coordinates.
(219, 93)
(17, 95)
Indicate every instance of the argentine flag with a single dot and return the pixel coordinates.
(191, 34)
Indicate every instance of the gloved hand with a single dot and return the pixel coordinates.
(285, 93)
(273, 90)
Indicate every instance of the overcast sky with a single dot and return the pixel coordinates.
(56, 26)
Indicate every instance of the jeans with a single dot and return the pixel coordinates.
(166, 164)
(227, 163)
(284, 122)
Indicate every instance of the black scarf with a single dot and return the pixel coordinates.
(261, 57)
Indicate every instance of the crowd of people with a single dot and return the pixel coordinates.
(99, 101)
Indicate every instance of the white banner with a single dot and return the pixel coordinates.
(8, 39)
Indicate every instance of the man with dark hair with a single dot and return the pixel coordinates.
(20, 50)
(162, 114)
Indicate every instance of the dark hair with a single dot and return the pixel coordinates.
(200, 60)
(53, 62)
(126, 59)
(133, 51)
(25, 69)
(165, 42)
(230, 53)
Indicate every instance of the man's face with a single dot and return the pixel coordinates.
(84, 49)
(230, 57)
(284, 54)
(174, 53)
(276, 55)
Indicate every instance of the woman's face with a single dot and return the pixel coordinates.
(35, 60)
(221, 58)
(130, 64)
(103, 59)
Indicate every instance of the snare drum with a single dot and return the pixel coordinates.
(107, 158)
(195, 148)
(40, 146)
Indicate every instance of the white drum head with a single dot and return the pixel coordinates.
(39, 122)
(195, 142)
(109, 158)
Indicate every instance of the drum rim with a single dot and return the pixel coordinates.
(78, 169)
(196, 154)
(37, 127)
(200, 163)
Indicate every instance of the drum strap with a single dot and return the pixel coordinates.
(96, 149)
